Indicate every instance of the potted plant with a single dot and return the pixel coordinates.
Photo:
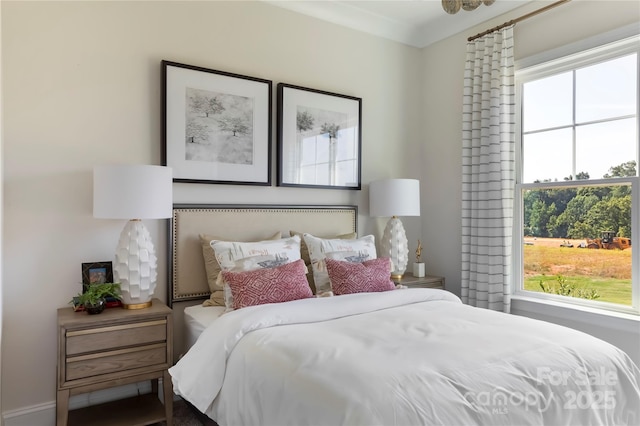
(94, 295)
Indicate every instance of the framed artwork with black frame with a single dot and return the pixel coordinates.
(216, 125)
(319, 138)
(96, 273)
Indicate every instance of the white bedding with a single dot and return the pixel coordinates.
(405, 357)
(197, 318)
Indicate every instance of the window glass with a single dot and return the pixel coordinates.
(577, 243)
(601, 146)
(547, 102)
(607, 89)
(547, 155)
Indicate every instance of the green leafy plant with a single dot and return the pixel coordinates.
(568, 289)
(95, 292)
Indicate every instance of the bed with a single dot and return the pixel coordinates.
(402, 356)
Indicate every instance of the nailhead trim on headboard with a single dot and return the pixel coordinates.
(320, 219)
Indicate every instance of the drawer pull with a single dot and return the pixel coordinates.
(112, 353)
(115, 328)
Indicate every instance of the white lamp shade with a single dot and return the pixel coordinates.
(132, 192)
(394, 197)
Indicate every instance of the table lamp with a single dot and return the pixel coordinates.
(133, 192)
(395, 197)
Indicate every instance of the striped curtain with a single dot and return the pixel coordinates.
(488, 171)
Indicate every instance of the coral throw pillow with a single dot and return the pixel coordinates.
(366, 277)
(269, 285)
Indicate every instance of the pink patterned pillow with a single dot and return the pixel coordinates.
(366, 277)
(269, 285)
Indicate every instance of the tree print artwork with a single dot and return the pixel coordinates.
(235, 125)
(319, 139)
(320, 144)
(219, 127)
(331, 130)
(304, 121)
(315, 121)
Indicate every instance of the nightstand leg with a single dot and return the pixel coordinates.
(167, 394)
(62, 407)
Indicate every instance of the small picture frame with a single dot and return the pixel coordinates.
(216, 126)
(319, 138)
(96, 273)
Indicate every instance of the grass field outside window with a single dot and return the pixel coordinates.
(606, 271)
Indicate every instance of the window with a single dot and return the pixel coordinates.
(578, 190)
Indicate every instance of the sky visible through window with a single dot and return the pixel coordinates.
(605, 123)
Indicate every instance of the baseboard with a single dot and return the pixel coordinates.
(45, 414)
(41, 415)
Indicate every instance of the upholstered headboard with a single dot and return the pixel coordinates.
(188, 280)
(187, 275)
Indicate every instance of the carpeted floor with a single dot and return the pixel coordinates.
(185, 415)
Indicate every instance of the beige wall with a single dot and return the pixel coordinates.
(82, 87)
(443, 63)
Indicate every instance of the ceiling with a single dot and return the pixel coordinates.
(417, 23)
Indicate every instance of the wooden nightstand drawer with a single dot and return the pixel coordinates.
(428, 281)
(79, 367)
(115, 348)
(114, 337)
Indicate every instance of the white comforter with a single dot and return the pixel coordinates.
(405, 357)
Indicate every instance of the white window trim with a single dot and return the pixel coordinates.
(570, 311)
(558, 60)
(590, 43)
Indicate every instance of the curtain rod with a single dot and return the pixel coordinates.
(521, 18)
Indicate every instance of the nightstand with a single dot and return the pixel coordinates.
(428, 281)
(117, 347)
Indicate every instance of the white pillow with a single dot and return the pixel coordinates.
(356, 250)
(212, 267)
(248, 256)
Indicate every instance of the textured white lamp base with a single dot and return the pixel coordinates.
(418, 270)
(136, 266)
(394, 245)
